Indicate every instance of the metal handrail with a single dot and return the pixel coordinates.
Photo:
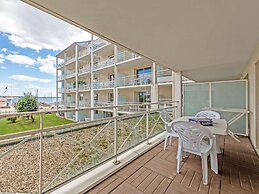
(70, 127)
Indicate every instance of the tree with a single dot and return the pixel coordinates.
(27, 104)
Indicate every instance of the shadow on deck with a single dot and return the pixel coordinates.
(155, 172)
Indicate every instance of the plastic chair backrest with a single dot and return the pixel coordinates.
(166, 118)
(191, 135)
(208, 114)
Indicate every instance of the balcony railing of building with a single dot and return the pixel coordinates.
(103, 84)
(99, 45)
(47, 158)
(84, 103)
(70, 89)
(70, 74)
(84, 69)
(61, 77)
(164, 75)
(126, 55)
(103, 64)
(61, 90)
(132, 80)
(98, 103)
(83, 53)
(84, 87)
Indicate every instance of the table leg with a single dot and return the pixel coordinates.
(213, 157)
(217, 144)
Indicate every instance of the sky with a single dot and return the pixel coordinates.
(29, 41)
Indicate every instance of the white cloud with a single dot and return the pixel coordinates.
(28, 78)
(1, 58)
(3, 67)
(47, 65)
(20, 59)
(4, 49)
(27, 27)
(32, 86)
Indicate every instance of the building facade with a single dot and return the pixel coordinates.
(98, 73)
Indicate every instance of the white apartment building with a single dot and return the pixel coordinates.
(98, 73)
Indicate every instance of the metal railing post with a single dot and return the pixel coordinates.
(147, 125)
(40, 159)
(116, 161)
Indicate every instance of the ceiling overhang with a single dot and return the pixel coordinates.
(206, 40)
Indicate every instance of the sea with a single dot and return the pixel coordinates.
(47, 100)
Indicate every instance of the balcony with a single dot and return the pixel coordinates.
(144, 79)
(84, 87)
(61, 77)
(70, 103)
(126, 55)
(84, 103)
(99, 45)
(164, 76)
(82, 53)
(70, 74)
(104, 84)
(98, 103)
(154, 172)
(70, 89)
(83, 70)
(61, 90)
(103, 64)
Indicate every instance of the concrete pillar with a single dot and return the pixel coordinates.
(154, 87)
(92, 78)
(177, 90)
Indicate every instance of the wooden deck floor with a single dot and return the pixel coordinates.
(155, 172)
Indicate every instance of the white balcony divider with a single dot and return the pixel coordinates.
(47, 158)
(132, 80)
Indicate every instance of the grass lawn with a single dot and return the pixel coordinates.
(49, 120)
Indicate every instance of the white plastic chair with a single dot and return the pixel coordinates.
(208, 114)
(167, 119)
(196, 139)
(211, 115)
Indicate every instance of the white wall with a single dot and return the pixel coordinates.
(252, 73)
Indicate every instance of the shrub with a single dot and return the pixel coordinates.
(12, 119)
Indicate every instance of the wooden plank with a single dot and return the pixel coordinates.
(136, 175)
(141, 178)
(103, 184)
(154, 184)
(215, 185)
(196, 181)
(128, 170)
(147, 181)
(188, 177)
(163, 167)
(163, 186)
(126, 188)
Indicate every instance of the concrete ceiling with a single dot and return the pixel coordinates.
(206, 40)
